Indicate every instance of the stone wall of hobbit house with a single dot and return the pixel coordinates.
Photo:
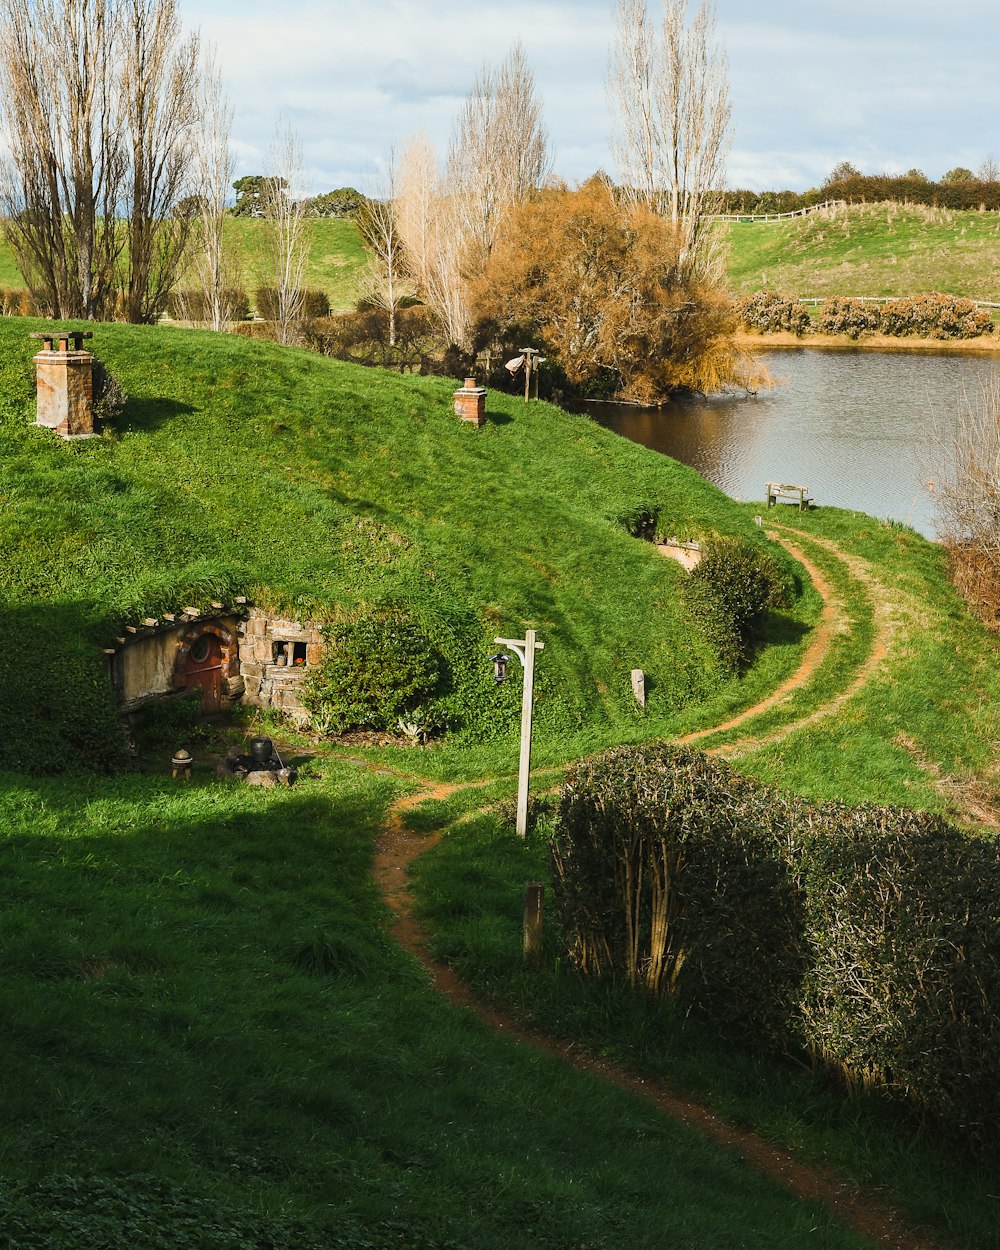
(276, 654)
(233, 653)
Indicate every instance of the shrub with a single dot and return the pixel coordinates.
(868, 936)
(194, 305)
(109, 394)
(668, 874)
(640, 521)
(378, 667)
(363, 337)
(314, 303)
(17, 302)
(770, 312)
(730, 593)
(902, 925)
(935, 316)
(853, 317)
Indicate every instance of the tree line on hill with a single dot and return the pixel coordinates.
(959, 188)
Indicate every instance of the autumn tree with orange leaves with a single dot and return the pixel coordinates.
(600, 285)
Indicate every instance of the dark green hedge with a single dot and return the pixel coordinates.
(866, 936)
(729, 595)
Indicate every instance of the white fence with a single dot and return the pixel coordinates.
(799, 212)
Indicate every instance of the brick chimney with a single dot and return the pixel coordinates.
(65, 383)
(470, 403)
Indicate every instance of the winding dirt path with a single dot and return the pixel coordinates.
(398, 847)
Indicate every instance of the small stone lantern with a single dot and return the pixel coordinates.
(470, 403)
(65, 382)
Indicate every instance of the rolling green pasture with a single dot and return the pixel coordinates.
(869, 249)
(313, 486)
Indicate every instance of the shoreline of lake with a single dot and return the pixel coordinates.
(986, 345)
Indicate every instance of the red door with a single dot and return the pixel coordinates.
(203, 671)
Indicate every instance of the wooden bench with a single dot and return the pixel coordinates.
(788, 494)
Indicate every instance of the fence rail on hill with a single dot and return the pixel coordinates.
(799, 212)
(876, 299)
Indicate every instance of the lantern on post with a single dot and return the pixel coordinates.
(499, 662)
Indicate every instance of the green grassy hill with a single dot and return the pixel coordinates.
(869, 249)
(315, 486)
(334, 260)
(865, 249)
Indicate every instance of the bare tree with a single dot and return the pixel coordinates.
(432, 238)
(499, 151)
(967, 489)
(989, 170)
(99, 102)
(160, 89)
(214, 168)
(383, 281)
(671, 118)
(62, 180)
(285, 210)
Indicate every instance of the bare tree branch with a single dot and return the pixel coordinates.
(285, 209)
(214, 168)
(671, 118)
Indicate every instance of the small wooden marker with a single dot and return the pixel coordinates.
(534, 918)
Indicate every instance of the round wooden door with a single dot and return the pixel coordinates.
(203, 671)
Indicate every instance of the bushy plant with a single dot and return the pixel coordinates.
(867, 936)
(902, 925)
(668, 873)
(17, 302)
(640, 520)
(770, 312)
(314, 303)
(194, 305)
(379, 666)
(935, 316)
(853, 317)
(109, 394)
(729, 594)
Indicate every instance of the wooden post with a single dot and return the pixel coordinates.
(534, 919)
(525, 650)
(531, 362)
(527, 700)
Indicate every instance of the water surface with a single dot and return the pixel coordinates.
(859, 429)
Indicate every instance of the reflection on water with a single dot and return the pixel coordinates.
(857, 428)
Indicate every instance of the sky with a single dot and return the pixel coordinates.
(889, 85)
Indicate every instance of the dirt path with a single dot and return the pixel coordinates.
(399, 846)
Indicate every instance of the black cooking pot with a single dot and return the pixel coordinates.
(261, 750)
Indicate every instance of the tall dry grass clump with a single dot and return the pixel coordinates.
(968, 494)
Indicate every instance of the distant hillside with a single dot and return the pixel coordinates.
(864, 249)
(314, 486)
(335, 257)
(869, 249)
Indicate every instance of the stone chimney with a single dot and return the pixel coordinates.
(65, 382)
(470, 403)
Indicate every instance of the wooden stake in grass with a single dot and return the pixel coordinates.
(534, 918)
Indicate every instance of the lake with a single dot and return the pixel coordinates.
(856, 427)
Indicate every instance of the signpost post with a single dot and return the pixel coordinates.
(524, 648)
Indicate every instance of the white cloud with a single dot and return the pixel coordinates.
(885, 83)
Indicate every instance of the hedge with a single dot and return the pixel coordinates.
(868, 937)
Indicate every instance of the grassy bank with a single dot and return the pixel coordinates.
(314, 488)
(869, 249)
(209, 1042)
(901, 711)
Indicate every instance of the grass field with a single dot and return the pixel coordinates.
(208, 1039)
(873, 249)
(902, 737)
(869, 249)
